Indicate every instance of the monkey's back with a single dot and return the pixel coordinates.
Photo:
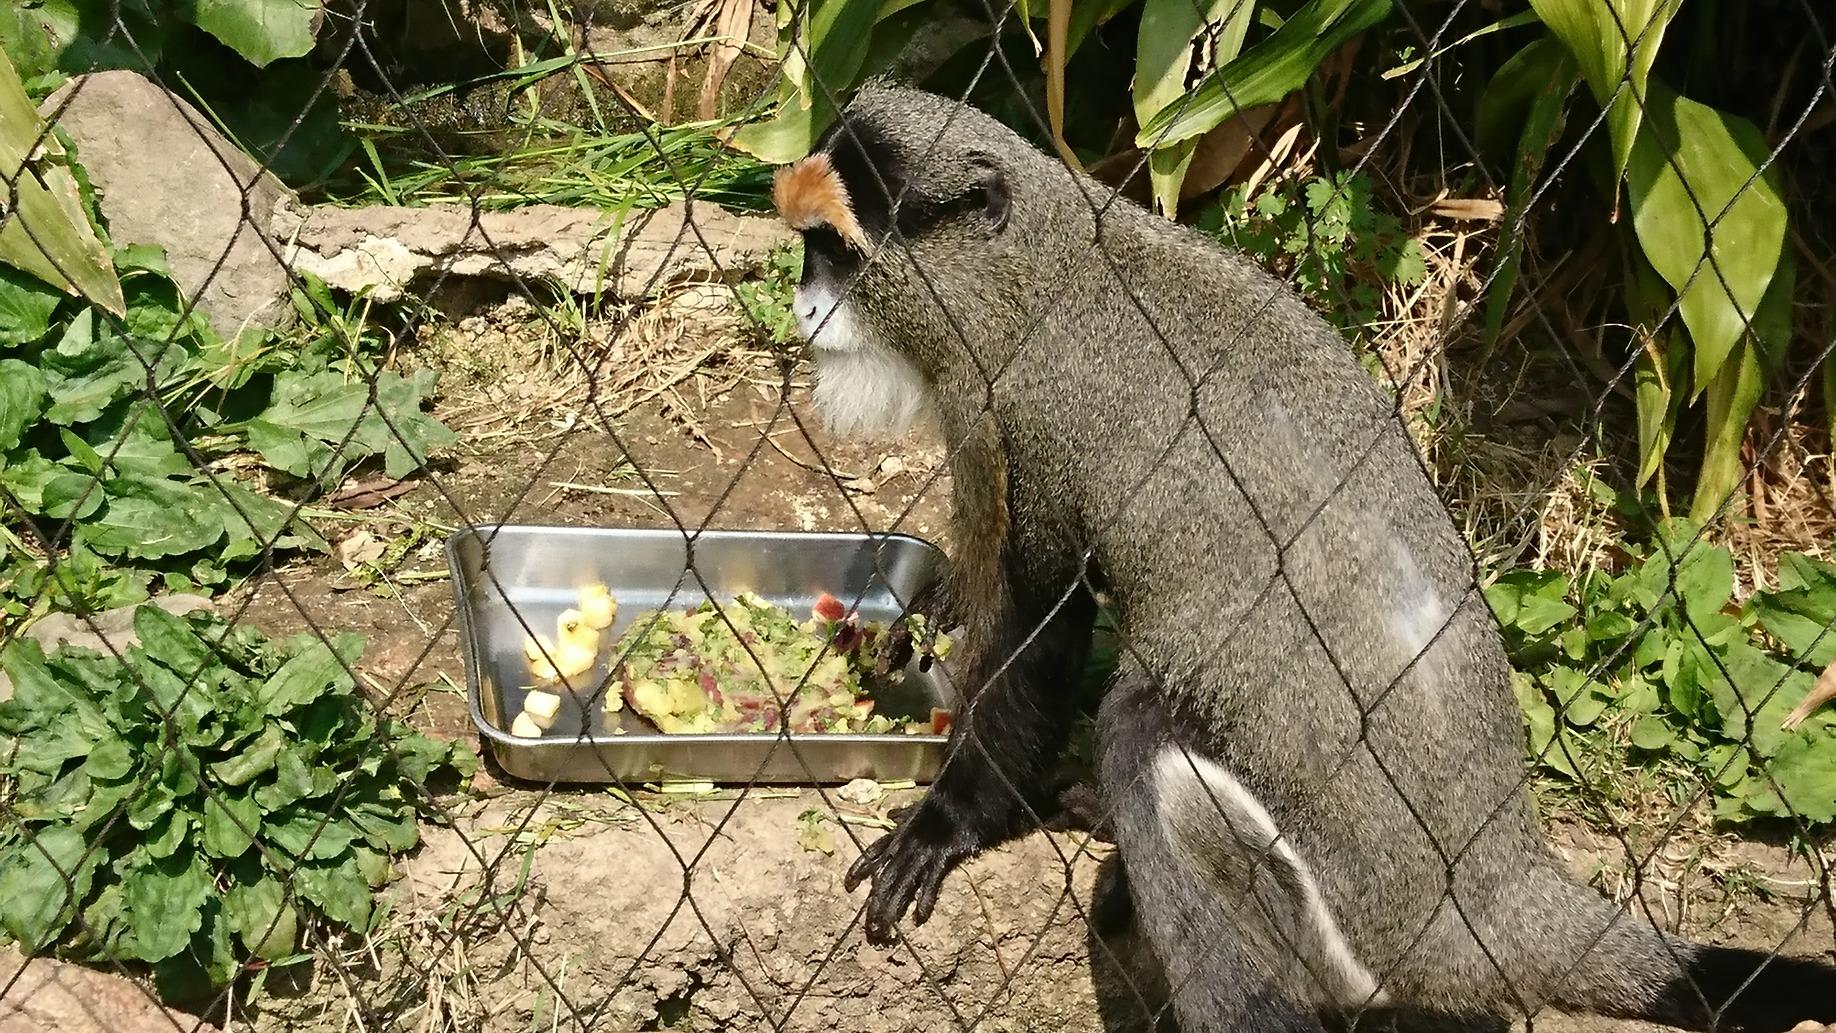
(1280, 560)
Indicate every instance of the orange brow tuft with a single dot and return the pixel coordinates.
(809, 194)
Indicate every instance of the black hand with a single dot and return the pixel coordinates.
(908, 866)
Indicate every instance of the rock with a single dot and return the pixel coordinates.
(167, 177)
(53, 996)
(110, 629)
(387, 251)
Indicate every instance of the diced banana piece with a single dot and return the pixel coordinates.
(525, 727)
(598, 606)
(572, 627)
(541, 707)
(575, 660)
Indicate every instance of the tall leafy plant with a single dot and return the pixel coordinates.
(1196, 64)
(1708, 226)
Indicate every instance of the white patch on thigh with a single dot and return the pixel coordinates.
(1204, 809)
(864, 389)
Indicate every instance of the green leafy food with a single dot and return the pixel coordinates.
(750, 666)
(165, 795)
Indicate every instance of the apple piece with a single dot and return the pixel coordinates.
(525, 727)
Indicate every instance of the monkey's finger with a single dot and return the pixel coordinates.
(870, 861)
(931, 882)
(893, 892)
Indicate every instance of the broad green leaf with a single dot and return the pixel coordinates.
(1615, 42)
(82, 385)
(292, 782)
(1694, 178)
(1737, 388)
(262, 918)
(315, 671)
(262, 31)
(1267, 72)
(257, 758)
(254, 522)
(1797, 570)
(290, 451)
(73, 35)
(164, 901)
(111, 759)
(167, 835)
(230, 824)
(409, 436)
(1163, 60)
(135, 440)
(1805, 770)
(22, 398)
(1754, 695)
(388, 829)
(39, 692)
(145, 526)
(1802, 621)
(26, 308)
(44, 878)
(172, 641)
(339, 888)
(1546, 73)
(46, 233)
(834, 42)
(301, 833)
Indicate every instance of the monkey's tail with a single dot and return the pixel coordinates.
(1636, 972)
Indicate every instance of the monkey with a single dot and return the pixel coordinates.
(1309, 757)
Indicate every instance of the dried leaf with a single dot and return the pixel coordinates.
(1468, 209)
(734, 27)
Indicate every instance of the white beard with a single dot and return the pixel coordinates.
(864, 389)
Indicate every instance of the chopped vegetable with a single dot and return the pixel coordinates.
(727, 669)
(525, 727)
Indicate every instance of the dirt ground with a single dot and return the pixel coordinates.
(561, 908)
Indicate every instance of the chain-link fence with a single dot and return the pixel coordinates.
(1595, 297)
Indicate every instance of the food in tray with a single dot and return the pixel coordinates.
(573, 651)
(525, 727)
(597, 606)
(542, 707)
(705, 669)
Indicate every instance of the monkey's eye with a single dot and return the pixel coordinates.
(826, 255)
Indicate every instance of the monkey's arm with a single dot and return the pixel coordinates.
(995, 782)
(970, 594)
(1020, 654)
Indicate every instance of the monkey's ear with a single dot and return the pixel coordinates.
(989, 185)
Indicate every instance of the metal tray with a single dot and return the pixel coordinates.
(537, 570)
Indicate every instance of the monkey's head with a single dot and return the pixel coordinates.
(912, 228)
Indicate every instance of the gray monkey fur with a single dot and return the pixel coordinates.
(1173, 426)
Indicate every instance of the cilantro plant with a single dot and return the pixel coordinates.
(1620, 669)
(1327, 234)
(199, 803)
(93, 410)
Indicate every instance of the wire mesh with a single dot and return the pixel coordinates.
(633, 398)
